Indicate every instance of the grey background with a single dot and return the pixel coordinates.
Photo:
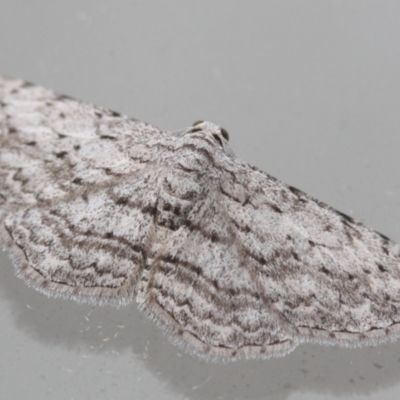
(309, 91)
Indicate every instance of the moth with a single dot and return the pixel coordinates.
(232, 263)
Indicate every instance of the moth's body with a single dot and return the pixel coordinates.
(98, 207)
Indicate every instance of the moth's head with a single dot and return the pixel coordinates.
(214, 133)
(213, 129)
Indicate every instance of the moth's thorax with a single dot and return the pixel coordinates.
(178, 195)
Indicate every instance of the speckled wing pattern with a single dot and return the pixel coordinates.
(231, 262)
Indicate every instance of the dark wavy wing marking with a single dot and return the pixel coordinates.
(330, 276)
(52, 145)
(76, 193)
(91, 248)
(200, 290)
